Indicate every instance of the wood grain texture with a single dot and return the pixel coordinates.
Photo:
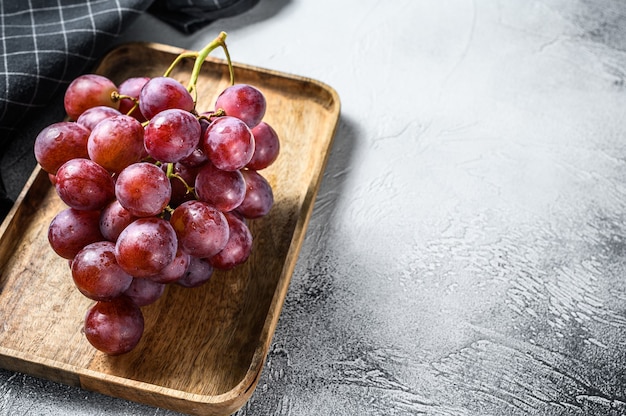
(203, 348)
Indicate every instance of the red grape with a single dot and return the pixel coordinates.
(266, 146)
(174, 270)
(146, 246)
(143, 189)
(259, 196)
(198, 273)
(97, 274)
(144, 291)
(86, 91)
(71, 230)
(83, 184)
(131, 87)
(163, 93)
(60, 142)
(114, 327)
(238, 248)
(172, 135)
(202, 230)
(244, 102)
(113, 219)
(116, 142)
(225, 190)
(228, 143)
(94, 115)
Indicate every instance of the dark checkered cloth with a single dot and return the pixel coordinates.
(44, 44)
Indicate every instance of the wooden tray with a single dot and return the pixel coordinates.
(204, 348)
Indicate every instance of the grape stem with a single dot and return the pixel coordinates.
(219, 41)
(200, 57)
(116, 96)
(171, 174)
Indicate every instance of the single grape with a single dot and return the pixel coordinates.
(172, 135)
(198, 273)
(116, 142)
(228, 143)
(94, 115)
(238, 247)
(96, 273)
(131, 87)
(244, 102)
(83, 184)
(146, 246)
(144, 291)
(163, 93)
(114, 327)
(202, 230)
(71, 230)
(86, 91)
(266, 146)
(259, 197)
(143, 189)
(225, 190)
(113, 219)
(173, 271)
(60, 142)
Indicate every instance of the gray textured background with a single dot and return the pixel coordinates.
(466, 254)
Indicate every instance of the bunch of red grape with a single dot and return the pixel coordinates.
(157, 193)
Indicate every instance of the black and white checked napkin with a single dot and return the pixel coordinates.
(44, 44)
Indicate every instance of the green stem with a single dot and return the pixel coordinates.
(170, 170)
(177, 60)
(219, 41)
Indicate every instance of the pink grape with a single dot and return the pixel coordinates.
(228, 143)
(143, 189)
(225, 190)
(86, 91)
(173, 271)
(172, 135)
(238, 247)
(71, 230)
(94, 115)
(113, 219)
(83, 184)
(146, 246)
(266, 146)
(116, 142)
(244, 102)
(60, 142)
(163, 93)
(114, 327)
(202, 230)
(144, 291)
(198, 273)
(259, 197)
(97, 274)
(131, 87)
